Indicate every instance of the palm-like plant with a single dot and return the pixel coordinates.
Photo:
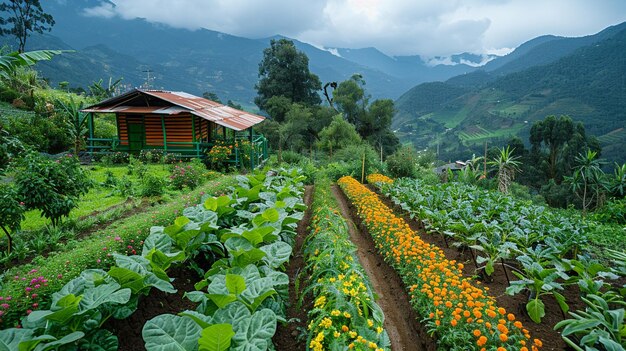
(507, 165)
(76, 122)
(588, 181)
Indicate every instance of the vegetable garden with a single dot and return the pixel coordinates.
(455, 250)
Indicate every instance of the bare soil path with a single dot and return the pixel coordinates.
(287, 337)
(401, 321)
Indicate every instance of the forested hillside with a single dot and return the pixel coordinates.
(589, 85)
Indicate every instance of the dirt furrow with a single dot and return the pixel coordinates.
(288, 336)
(401, 321)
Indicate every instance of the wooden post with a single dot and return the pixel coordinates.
(91, 133)
(252, 153)
(363, 170)
(164, 135)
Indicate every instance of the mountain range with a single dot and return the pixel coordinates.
(584, 78)
(452, 103)
(207, 61)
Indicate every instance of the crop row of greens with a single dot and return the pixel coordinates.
(30, 287)
(344, 314)
(249, 236)
(460, 313)
(545, 250)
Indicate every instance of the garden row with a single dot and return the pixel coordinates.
(344, 314)
(29, 287)
(249, 236)
(455, 309)
(545, 250)
(247, 233)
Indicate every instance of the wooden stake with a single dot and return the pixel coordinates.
(363, 170)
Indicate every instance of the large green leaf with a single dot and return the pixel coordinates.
(235, 313)
(54, 345)
(222, 300)
(256, 335)
(10, 62)
(108, 293)
(128, 279)
(102, 340)
(536, 310)
(216, 337)
(158, 241)
(11, 338)
(276, 253)
(135, 263)
(171, 333)
(243, 258)
(235, 283)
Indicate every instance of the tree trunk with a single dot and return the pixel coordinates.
(10, 240)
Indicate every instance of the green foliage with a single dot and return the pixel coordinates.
(75, 123)
(10, 147)
(403, 163)
(51, 186)
(22, 18)
(9, 63)
(284, 71)
(353, 155)
(44, 134)
(613, 211)
(337, 135)
(183, 176)
(598, 327)
(588, 181)
(507, 165)
(152, 185)
(11, 211)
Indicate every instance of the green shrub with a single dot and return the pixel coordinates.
(613, 211)
(116, 158)
(184, 176)
(336, 170)
(353, 156)
(292, 157)
(403, 162)
(8, 95)
(51, 186)
(151, 156)
(152, 185)
(136, 167)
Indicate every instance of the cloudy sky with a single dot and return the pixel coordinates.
(396, 27)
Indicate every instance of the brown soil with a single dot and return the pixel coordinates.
(515, 304)
(287, 337)
(401, 320)
(128, 330)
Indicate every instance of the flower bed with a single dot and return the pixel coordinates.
(459, 312)
(378, 178)
(344, 313)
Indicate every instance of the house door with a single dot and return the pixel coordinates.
(136, 137)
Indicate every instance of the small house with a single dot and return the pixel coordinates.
(176, 122)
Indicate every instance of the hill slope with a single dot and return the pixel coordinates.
(589, 85)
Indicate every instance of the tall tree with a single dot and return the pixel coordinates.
(351, 99)
(563, 139)
(21, 17)
(284, 71)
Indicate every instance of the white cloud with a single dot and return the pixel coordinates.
(397, 27)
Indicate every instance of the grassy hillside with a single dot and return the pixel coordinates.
(589, 85)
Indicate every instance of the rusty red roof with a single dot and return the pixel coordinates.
(151, 101)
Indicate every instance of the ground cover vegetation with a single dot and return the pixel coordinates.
(546, 250)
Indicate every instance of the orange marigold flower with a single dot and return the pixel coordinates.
(481, 341)
(502, 311)
(510, 317)
(476, 332)
(503, 337)
(537, 342)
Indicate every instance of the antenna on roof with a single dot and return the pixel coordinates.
(147, 84)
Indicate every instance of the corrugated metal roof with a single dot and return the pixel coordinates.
(183, 102)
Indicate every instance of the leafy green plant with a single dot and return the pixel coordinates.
(152, 185)
(539, 281)
(51, 186)
(598, 327)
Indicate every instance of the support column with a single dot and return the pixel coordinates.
(164, 135)
(91, 133)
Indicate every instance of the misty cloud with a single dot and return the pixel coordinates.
(397, 27)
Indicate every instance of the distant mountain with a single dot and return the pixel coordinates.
(588, 83)
(203, 60)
